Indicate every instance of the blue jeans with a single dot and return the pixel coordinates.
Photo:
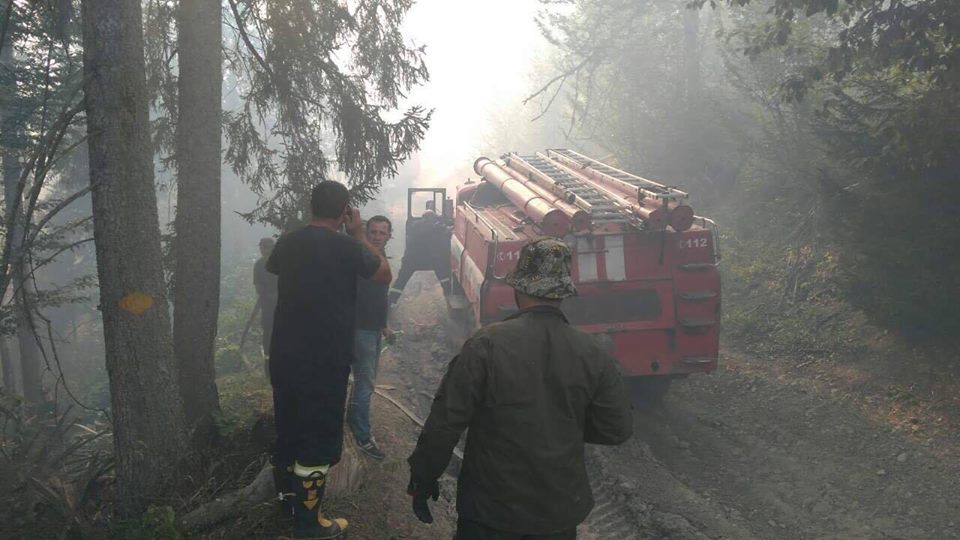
(366, 359)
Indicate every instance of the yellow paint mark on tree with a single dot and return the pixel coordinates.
(136, 302)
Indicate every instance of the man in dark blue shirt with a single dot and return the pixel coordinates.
(371, 327)
(312, 348)
(265, 284)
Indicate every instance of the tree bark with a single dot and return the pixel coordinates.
(9, 370)
(9, 86)
(196, 296)
(147, 414)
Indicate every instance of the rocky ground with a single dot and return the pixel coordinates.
(763, 448)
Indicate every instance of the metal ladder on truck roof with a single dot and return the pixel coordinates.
(603, 208)
(647, 187)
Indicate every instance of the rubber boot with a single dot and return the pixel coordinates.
(308, 519)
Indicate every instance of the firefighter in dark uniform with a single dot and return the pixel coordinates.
(265, 284)
(427, 248)
(531, 391)
(312, 349)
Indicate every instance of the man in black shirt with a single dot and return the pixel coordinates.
(371, 326)
(312, 348)
(266, 285)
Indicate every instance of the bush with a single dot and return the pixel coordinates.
(157, 523)
(229, 359)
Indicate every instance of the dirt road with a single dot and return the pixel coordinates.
(775, 459)
(746, 452)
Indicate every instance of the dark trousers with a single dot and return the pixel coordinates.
(471, 530)
(266, 325)
(309, 419)
(407, 269)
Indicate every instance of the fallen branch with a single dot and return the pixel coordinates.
(259, 491)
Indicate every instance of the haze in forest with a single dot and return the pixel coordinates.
(817, 141)
(480, 56)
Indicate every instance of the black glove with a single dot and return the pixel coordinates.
(421, 491)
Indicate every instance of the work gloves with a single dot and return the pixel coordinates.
(421, 491)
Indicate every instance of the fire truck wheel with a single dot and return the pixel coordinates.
(647, 392)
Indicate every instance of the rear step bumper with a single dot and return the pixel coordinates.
(698, 266)
(698, 360)
(697, 323)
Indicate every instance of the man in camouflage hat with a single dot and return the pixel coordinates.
(532, 390)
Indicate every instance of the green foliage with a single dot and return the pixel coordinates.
(226, 425)
(52, 471)
(245, 394)
(786, 301)
(287, 56)
(835, 132)
(238, 299)
(229, 359)
(304, 107)
(872, 36)
(157, 523)
(40, 128)
(245, 397)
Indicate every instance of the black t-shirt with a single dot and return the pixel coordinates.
(371, 305)
(317, 273)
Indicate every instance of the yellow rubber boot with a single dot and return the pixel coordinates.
(309, 522)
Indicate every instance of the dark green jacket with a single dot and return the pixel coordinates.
(532, 390)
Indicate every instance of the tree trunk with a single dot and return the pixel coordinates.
(196, 299)
(6, 76)
(9, 131)
(147, 414)
(9, 370)
(8, 85)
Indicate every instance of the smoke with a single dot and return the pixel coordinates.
(479, 55)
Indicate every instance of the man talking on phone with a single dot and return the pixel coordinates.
(313, 347)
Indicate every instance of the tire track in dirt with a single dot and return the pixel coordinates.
(788, 461)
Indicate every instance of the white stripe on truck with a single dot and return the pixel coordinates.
(616, 267)
(586, 259)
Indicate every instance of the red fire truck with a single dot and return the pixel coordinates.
(645, 266)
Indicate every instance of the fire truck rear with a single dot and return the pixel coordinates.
(645, 266)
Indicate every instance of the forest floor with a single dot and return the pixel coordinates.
(379, 509)
(765, 447)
